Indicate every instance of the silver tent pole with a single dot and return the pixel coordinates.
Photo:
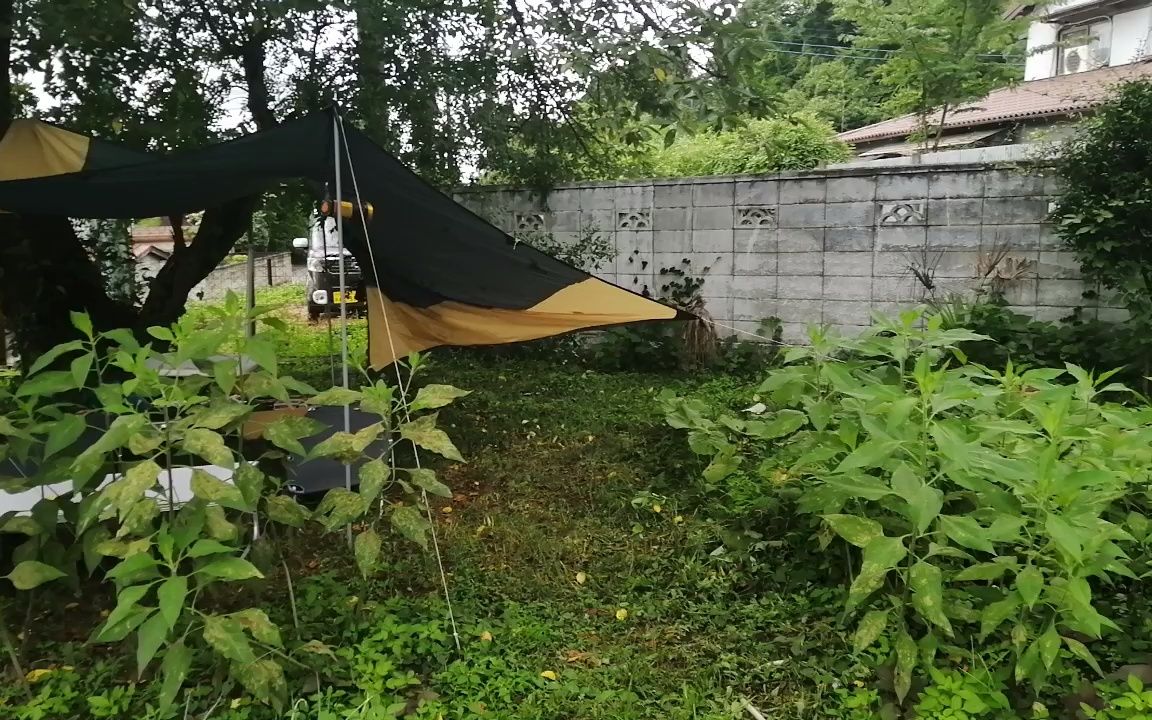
(339, 199)
(250, 326)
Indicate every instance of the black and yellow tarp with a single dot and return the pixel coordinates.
(437, 273)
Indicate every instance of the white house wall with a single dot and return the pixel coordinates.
(1041, 62)
(1130, 36)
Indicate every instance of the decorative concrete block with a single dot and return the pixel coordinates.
(956, 211)
(679, 218)
(958, 237)
(901, 238)
(799, 287)
(754, 241)
(755, 216)
(714, 194)
(794, 240)
(633, 219)
(755, 263)
(851, 214)
(848, 264)
(847, 288)
(1009, 183)
(804, 312)
(668, 195)
(1060, 293)
(800, 216)
(712, 241)
(1060, 265)
(898, 186)
(851, 189)
(800, 263)
(847, 312)
(527, 222)
(1016, 238)
(712, 218)
(803, 191)
(845, 239)
(754, 287)
(901, 212)
(672, 241)
(753, 311)
(758, 192)
(953, 183)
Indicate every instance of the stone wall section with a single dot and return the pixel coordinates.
(828, 246)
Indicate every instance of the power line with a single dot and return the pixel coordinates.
(848, 57)
(1004, 56)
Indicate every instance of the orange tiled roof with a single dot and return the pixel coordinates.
(1050, 97)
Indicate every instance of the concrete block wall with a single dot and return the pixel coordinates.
(271, 270)
(830, 246)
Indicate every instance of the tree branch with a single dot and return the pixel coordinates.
(7, 108)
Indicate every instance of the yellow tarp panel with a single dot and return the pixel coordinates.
(585, 305)
(32, 149)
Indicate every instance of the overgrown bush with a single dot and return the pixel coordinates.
(1105, 212)
(982, 514)
(798, 142)
(167, 556)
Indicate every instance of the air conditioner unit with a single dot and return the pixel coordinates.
(1074, 60)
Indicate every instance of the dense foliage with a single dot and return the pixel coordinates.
(993, 513)
(1105, 213)
(165, 554)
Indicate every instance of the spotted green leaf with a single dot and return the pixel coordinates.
(925, 579)
(226, 637)
(906, 652)
(367, 551)
(209, 445)
(855, 529)
(31, 574)
(424, 433)
(869, 630)
(435, 396)
(425, 479)
(880, 555)
(411, 524)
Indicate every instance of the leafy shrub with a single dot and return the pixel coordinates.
(167, 559)
(956, 695)
(1128, 702)
(798, 142)
(1092, 344)
(982, 508)
(1105, 212)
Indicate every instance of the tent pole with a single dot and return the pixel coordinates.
(250, 326)
(343, 300)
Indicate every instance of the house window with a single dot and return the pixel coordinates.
(1084, 47)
